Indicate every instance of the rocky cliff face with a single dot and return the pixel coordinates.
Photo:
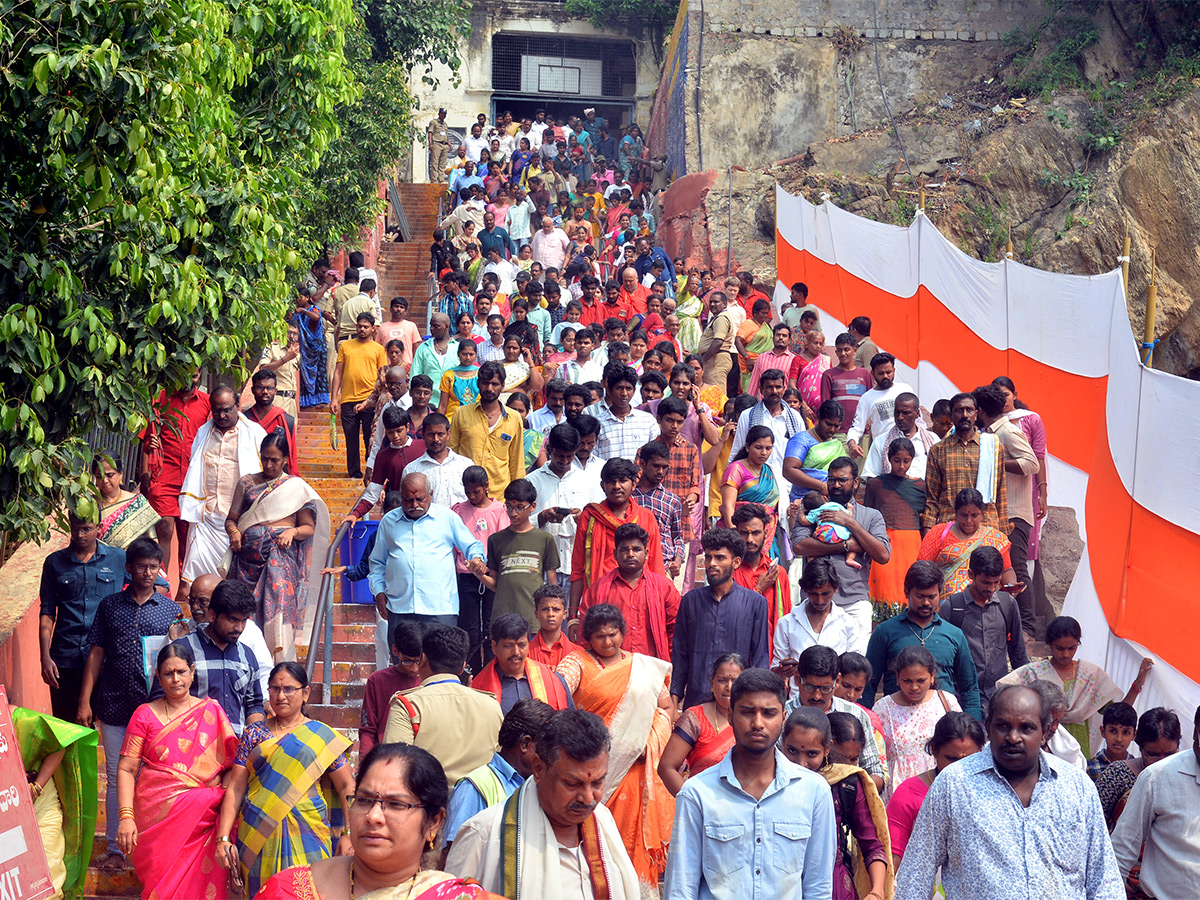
(1023, 167)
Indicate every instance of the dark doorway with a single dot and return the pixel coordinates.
(617, 114)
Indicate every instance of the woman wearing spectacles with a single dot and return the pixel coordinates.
(276, 786)
(398, 808)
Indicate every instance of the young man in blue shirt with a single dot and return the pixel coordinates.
(754, 826)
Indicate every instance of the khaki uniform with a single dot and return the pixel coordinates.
(459, 725)
(438, 133)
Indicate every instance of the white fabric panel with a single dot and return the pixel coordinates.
(1062, 320)
(1168, 447)
(876, 252)
(1068, 487)
(803, 225)
(1120, 658)
(972, 290)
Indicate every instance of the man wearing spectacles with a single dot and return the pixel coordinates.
(816, 677)
(405, 641)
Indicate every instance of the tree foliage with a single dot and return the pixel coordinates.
(152, 159)
(657, 14)
(419, 33)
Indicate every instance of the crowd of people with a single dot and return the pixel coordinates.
(670, 599)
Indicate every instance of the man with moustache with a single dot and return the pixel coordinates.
(755, 825)
(967, 458)
(567, 841)
(920, 623)
(868, 537)
(512, 675)
(906, 419)
(717, 618)
(1012, 821)
(758, 572)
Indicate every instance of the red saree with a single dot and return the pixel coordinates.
(297, 884)
(178, 799)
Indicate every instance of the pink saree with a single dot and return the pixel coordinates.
(809, 381)
(178, 799)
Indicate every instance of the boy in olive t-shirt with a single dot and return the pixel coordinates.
(521, 558)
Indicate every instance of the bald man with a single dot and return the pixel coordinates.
(420, 529)
(226, 448)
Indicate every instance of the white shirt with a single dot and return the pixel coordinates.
(535, 138)
(518, 220)
(506, 272)
(614, 188)
(575, 373)
(536, 130)
(364, 274)
(873, 467)
(1066, 747)
(874, 413)
(794, 634)
(474, 145)
(575, 490)
(1162, 811)
(445, 478)
(252, 637)
(542, 420)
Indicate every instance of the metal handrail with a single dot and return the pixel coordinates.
(402, 225)
(323, 621)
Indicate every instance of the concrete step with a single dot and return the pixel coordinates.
(346, 718)
(354, 614)
(345, 672)
(339, 694)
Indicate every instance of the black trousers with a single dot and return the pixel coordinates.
(1019, 554)
(352, 424)
(475, 618)
(64, 699)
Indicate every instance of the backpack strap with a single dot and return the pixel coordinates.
(957, 610)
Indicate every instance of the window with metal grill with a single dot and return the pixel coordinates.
(553, 66)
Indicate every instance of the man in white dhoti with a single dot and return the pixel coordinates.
(552, 839)
(226, 448)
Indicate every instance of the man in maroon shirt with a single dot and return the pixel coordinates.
(648, 601)
(166, 451)
(386, 683)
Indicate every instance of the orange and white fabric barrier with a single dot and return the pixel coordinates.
(1124, 440)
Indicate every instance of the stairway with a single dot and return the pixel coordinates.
(353, 636)
(403, 268)
(353, 624)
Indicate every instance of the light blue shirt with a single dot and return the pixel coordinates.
(541, 320)
(466, 801)
(433, 538)
(728, 846)
(542, 420)
(973, 825)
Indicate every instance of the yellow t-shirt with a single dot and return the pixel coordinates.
(361, 362)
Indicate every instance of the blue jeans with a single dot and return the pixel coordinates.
(112, 736)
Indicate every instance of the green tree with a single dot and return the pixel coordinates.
(154, 156)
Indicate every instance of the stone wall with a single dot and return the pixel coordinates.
(768, 77)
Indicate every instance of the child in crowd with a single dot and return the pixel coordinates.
(484, 518)
(854, 674)
(793, 399)
(1117, 728)
(520, 557)
(911, 713)
(460, 385)
(814, 503)
(550, 645)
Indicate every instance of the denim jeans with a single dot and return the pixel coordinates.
(112, 736)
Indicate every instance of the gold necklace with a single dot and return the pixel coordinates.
(411, 883)
(187, 704)
(287, 728)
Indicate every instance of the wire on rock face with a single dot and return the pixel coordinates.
(883, 93)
